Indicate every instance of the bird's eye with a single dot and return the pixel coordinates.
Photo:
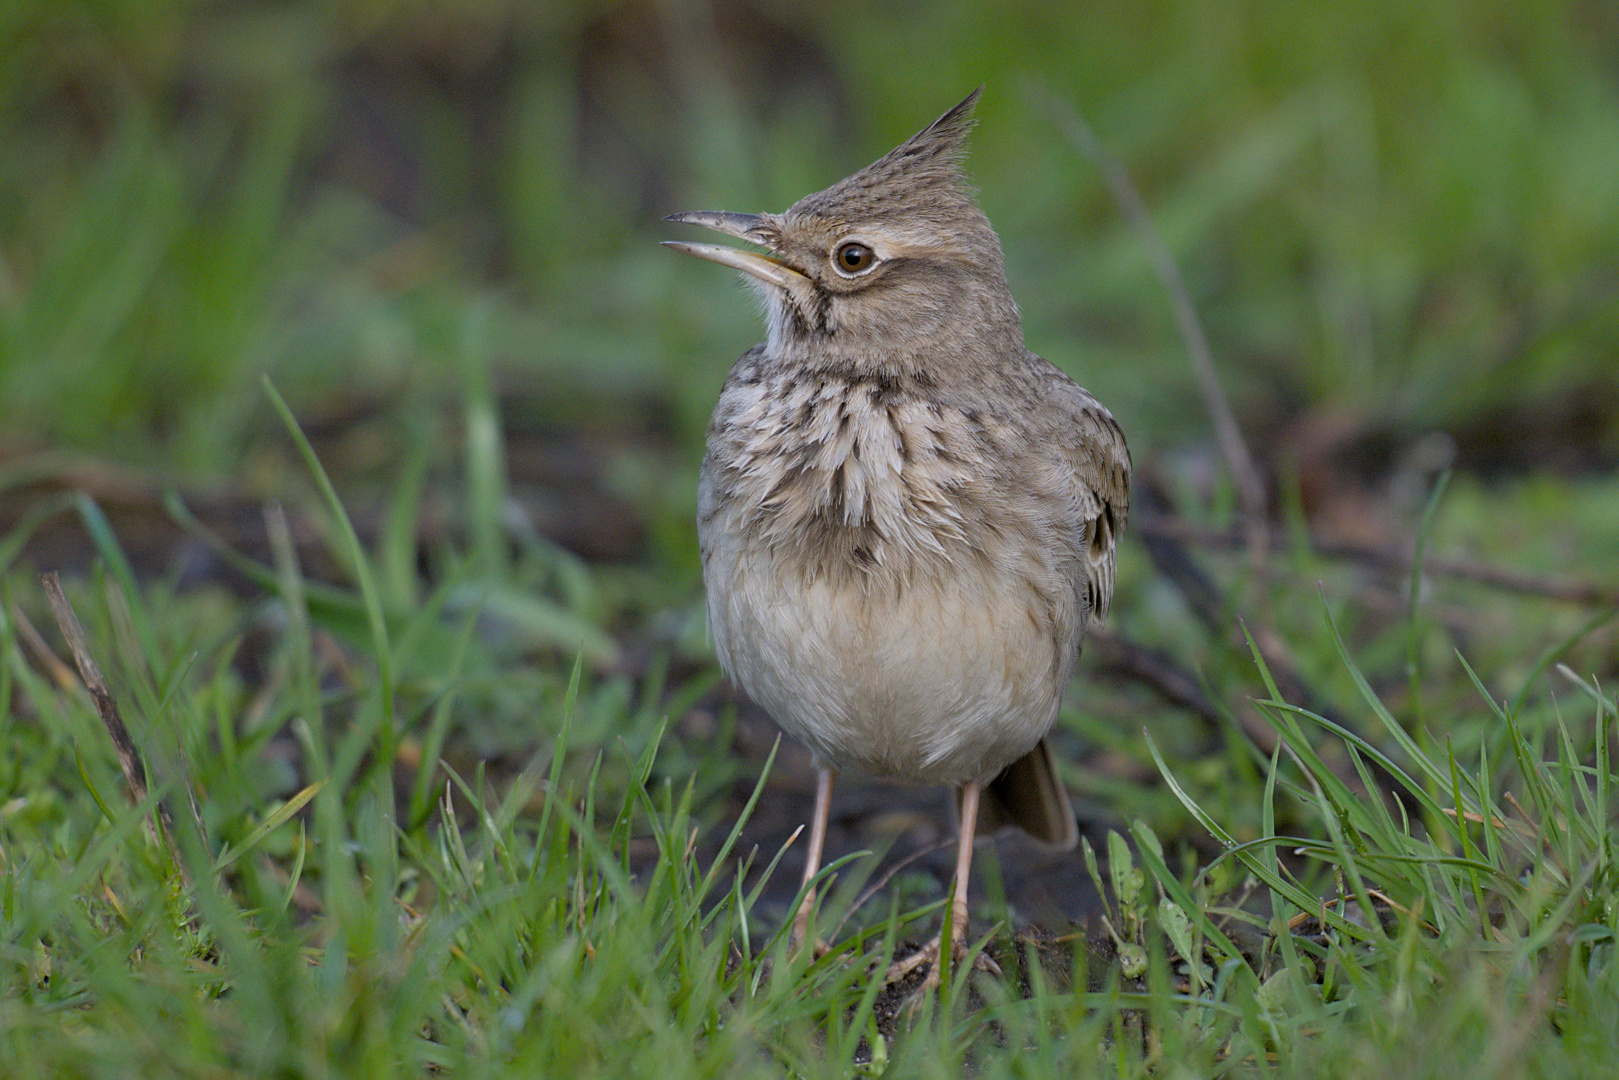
(853, 258)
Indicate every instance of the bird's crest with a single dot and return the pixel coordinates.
(922, 176)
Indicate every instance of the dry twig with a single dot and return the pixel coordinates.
(1170, 556)
(129, 755)
(1250, 486)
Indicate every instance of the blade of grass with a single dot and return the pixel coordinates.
(438, 729)
(484, 449)
(1556, 653)
(1529, 769)
(354, 554)
(107, 546)
(1413, 654)
(398, 540)
(1152, 858)
(270, 824)
(1256, 866)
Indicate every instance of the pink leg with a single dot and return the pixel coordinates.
(957, 938)
(952, 941)
(812, 859)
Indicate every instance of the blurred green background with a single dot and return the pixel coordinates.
(1396, 218)
(432, 225)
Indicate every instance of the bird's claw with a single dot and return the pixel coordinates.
(928, 954)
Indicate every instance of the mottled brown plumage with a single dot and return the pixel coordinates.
(907, 519)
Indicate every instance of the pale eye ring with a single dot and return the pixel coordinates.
(853, 258)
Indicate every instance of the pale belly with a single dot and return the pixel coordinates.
(942, 683)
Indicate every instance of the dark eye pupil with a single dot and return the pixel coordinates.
(854, 256)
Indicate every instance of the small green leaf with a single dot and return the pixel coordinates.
(268, 825)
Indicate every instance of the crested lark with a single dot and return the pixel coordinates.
(906, 518)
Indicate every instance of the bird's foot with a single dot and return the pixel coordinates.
(928, 955)
(817, 948)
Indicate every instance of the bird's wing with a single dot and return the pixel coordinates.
(1101, 494)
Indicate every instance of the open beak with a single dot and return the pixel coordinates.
(766, 268)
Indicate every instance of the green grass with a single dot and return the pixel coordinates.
(434, 804)
(345, 914)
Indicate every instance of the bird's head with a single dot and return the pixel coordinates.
(891, 261)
